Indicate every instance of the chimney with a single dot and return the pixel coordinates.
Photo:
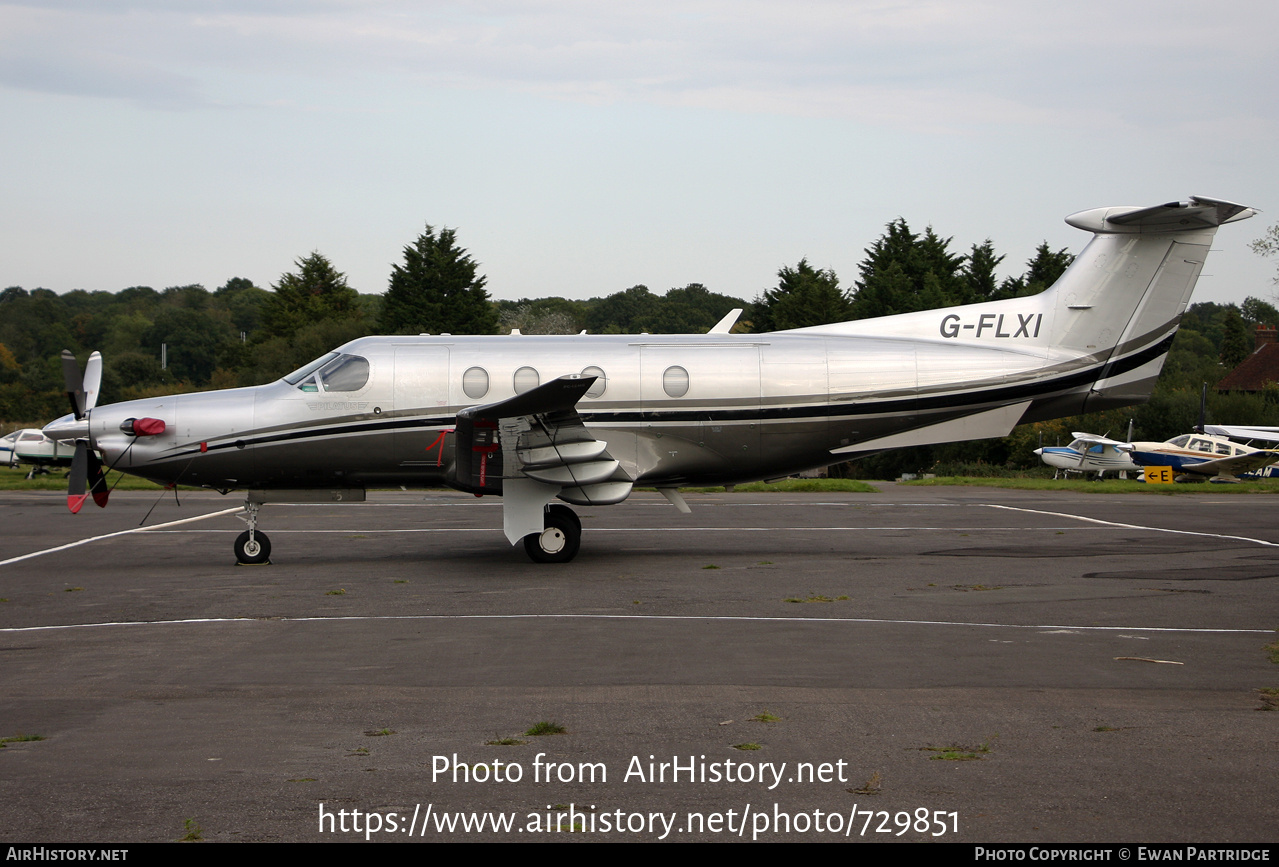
(1265, 334)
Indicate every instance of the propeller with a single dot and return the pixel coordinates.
(82, 391)
(86, 469)
(1203, 409)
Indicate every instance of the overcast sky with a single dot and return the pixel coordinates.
(581, 147)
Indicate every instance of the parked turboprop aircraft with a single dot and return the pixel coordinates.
(584, 418)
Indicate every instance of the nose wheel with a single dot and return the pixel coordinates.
(252, 547)
(559, 541)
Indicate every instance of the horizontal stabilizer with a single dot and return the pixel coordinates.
(1196, 214)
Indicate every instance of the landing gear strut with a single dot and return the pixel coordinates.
(559, 541)
(252, 547)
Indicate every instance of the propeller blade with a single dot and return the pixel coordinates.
(1203, 409)
(79, 475)
(92, 380)
(97, 481)
(74, 382)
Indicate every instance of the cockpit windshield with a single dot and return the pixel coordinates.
(332, 372)
(307, 369)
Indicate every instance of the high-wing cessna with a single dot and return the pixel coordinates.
(1088, 453)
(31, 446)
(585, 418)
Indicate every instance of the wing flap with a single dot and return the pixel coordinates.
(531, 448)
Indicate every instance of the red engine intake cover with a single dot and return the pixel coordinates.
(147, 427)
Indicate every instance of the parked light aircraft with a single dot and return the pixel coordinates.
(1088, 453)
(1204, 455)
(31, 446)
(1243, 432)
(585, 418)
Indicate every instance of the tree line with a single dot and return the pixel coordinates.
(243, 334)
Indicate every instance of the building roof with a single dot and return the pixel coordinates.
(1255, 370)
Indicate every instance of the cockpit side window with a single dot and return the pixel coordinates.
(344, 373)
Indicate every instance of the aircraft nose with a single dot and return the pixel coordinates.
(1039, 452)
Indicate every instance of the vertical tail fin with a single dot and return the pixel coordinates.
(1103, 329)
(1122, 299)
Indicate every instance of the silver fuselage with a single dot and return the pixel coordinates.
(755, 406)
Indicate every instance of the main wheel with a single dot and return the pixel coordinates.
(252, 553)
(558, 543)
(561, 509)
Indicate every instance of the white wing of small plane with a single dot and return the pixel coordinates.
(1097, 440)
(1240, 432)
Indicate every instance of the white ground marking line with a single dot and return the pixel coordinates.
(1136, 526)
(119, 533)
(1110, 524)
(911, 528)
(640, 617)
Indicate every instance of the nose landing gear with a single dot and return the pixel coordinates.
(252, 547)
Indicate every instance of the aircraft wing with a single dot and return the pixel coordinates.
(1268, 434)
(532, 448)
(1097, 440)
(1234, 466)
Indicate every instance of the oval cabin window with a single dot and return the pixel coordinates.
(675, 381)
(475, 383)
(599, 385)
(526, 378)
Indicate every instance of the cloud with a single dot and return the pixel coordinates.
(912, 64)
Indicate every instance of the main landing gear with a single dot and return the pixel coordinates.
(559, 541)
(252, 547)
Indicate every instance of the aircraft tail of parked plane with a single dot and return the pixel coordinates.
(584, 418)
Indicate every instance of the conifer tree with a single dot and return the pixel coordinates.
(437, 290)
